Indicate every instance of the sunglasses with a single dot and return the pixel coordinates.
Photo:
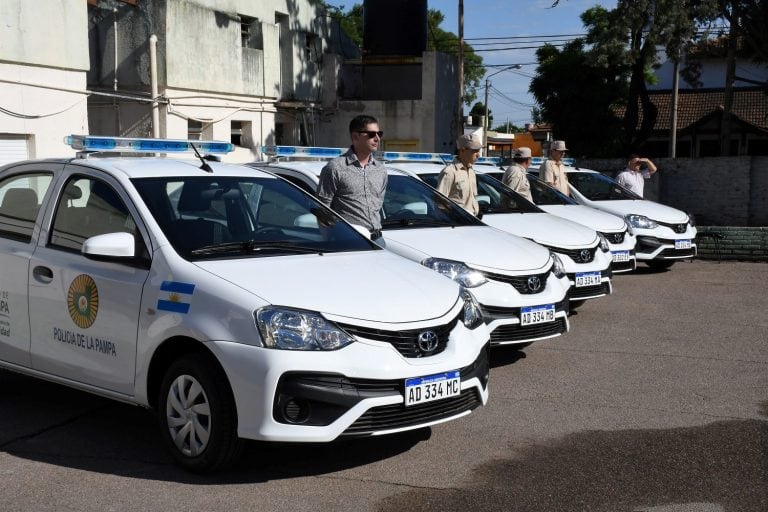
(372, 134)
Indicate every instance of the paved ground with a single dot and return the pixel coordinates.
(656, 401)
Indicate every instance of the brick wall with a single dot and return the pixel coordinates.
(732, 243)
(721, 191)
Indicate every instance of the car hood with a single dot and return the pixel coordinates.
(543, 228)
(376, 285)
(478, 246)
(650, 209)
(584, 215)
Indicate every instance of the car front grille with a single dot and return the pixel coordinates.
(523, 284)
(615, 238)
(584, 255)
(589, 291)
(679, 227)
(677, 253)
(516, 332)
(623, 266)
(390, 417)
(406, 342)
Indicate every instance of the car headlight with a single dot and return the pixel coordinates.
(557, 266)
(471, 315)
(457, 271)
(604, 246)
(294, 329)
(640, 221)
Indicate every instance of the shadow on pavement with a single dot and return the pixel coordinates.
(722, 464)
(502, 356)
(56, 425)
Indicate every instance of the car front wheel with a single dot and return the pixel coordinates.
(197, 413)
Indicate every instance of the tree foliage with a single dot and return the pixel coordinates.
(579, 99)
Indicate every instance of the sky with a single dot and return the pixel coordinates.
(508, 96)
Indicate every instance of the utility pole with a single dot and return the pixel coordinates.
(485, 104)
(460, 109)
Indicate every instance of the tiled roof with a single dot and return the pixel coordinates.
(749, 105)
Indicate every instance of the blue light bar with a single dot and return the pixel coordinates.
(132, 145)
(395, 156)
(489, 160)
(537, 160)
(289, 151)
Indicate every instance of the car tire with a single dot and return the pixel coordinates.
(197, 415)
(660, 264)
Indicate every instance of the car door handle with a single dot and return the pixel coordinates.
(43, 274)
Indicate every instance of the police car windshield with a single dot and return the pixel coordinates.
(543, 194)
(218, 217)
(411, 203)
(596, 187)
(492, 196)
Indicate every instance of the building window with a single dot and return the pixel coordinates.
(194, 129)
(251, 35)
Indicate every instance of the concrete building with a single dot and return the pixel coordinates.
(43, 66)
(253, 73)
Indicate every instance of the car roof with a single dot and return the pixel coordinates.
(310, 168)
(126, 158)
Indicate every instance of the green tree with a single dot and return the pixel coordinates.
(630, 35)
(579, 99)
(509, 128)
(478, 110)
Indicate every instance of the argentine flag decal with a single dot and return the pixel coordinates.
(175, 297)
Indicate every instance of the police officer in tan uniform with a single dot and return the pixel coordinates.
(457, 180)
(552, 172)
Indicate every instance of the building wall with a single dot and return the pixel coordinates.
(423, 124)
(43, 62)
(719, 191)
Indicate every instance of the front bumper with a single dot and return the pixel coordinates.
(502, 304)
(652, 248)
(296, 396)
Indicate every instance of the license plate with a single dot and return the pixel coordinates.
(587, 279)
(530, 315)
(420, 390)
(682, 244)
(620, 256)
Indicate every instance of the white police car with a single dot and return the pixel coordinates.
(664, 234)
(616, 232)
(192, 289)
(585, 254)
(521, 286)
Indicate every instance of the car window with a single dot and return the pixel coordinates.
(88, 207)
(543, 194)
(409, 202)
(298, 182)
(596, 187)
(20, 200)
(492, 195)
(225, 217)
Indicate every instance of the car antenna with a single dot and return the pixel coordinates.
(205, 166)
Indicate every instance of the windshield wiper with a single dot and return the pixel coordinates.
(255, 246)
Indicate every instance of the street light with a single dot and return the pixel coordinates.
(485, 103)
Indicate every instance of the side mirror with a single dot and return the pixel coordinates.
(110, 246)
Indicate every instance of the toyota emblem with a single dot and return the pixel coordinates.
(534, 283)
(427, 342)
(585, 255)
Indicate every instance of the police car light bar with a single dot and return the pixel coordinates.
(131, 145)
(288, 151)
(488, 160)
(395, 156)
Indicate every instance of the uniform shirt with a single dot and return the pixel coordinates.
(354, 191)
(552, 171)
(633, 180)
(460, 185)
(516, 178)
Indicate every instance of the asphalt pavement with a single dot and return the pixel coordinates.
(656, 401)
